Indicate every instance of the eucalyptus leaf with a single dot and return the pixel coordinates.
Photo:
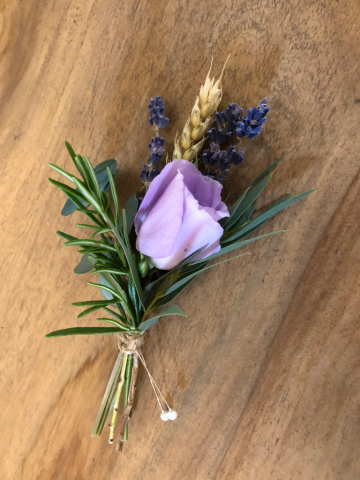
(131, 209)
(84, 266)
(103, 181)
(173, 310)
(106, 294)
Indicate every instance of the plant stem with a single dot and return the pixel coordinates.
(126, 389)
(129, 404)
(117, 398)
(105, 407)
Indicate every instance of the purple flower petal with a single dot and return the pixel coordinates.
(197, 230)
(159, 232)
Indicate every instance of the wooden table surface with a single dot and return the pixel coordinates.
(264, 372)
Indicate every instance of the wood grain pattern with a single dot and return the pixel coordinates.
(264, 372)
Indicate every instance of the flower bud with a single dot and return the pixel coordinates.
(143, 266)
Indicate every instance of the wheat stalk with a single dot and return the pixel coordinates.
(194, 132)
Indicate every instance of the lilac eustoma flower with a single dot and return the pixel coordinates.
(179, 215)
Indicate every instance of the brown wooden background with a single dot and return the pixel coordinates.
(264, 372)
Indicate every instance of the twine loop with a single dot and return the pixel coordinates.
(130, 343)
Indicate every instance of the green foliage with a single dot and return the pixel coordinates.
(173, 310)
(100, 182)
(111, 257)
(84, 331)
(240, 224)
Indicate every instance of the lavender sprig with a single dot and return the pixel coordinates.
(156, 109)
(156, 150)
(251, 125)
(219, 161)
(156, 121)
(225, 124)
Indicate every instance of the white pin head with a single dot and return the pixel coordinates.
(164, 416)
(172, 414)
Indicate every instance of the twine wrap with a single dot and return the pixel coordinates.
(130, 343)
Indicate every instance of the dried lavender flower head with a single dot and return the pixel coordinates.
(225, 123)
(251, 125)
(156, 150)
(219, 161)
(156, 109)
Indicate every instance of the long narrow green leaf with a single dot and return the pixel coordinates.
(67, 190)
(66, 236)
(113, 292)
(114, 314)
(266, 215)
(92, 177)
(234, 207)
(86, 226)
(112, 271)
(265, 173)
(93, 303)
(247, 201)
(133, 298)
(133, 269)
(88, 311)
(113, 194)
(71, 151)
(151, 287)
(235, 233)
(80, 165)
(168, 298)
(173, 310)
(90, 243)
(90, 198)
(100, 231)
(114, 322)
(90, 214)
(184, 280)
(109, 281)
(84, 331)
(124, 232)
(105, 407)
(63, 173)
(236, 245)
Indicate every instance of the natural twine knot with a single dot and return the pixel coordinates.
(130, 343)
